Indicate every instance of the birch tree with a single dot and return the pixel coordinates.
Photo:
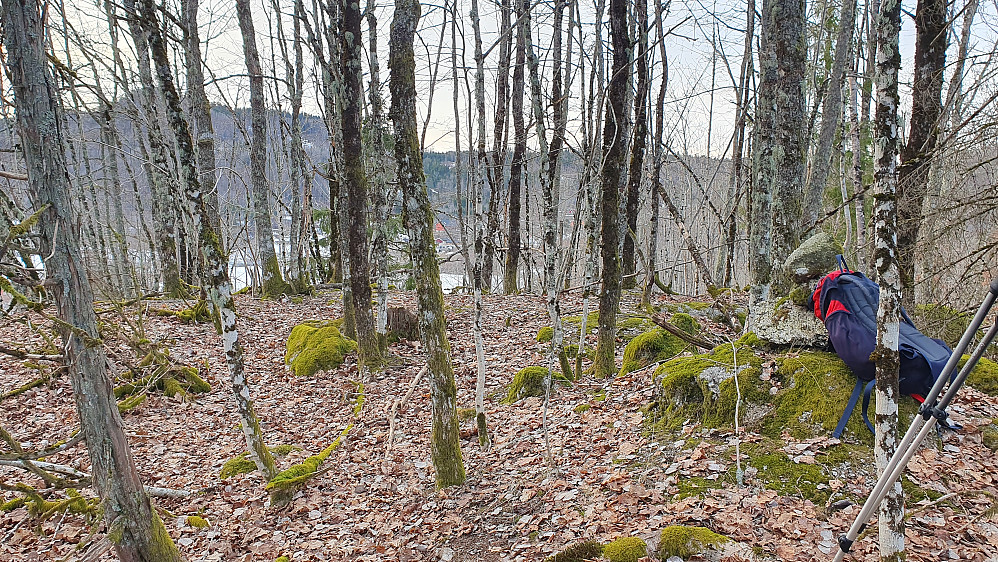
(216, 273)
(418, 218)
(139, 534)
(891, 520)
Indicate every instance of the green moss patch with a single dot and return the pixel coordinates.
(984, 377)
(686, 323)
(579, 552)
(649, 347)
(682, 541)
(989, 435)
(545, 334)
(171, 380)
(529, 381)
(200, 312)
(242, 464)
(625, 549)
(283, 486)
(316, 346)
(130, 403)
(197, 522)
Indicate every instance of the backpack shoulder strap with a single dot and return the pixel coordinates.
(853, 399)
(866, 404)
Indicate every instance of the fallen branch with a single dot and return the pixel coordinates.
(686, 337)
(76, 438)
(84, 478)
(13, 175)
(17, 353)
(397, 405)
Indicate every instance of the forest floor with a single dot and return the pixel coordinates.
(611, 477)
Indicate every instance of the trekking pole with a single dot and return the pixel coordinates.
(931, 412)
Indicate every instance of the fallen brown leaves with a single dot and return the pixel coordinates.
(610, 477)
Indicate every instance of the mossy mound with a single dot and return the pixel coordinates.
(316, 346)
(649, 347)
(625, 549)
(529, 381)
(130, 403)
(545, 334)
(984, 377)
(197, 522)
(682, 541)
(989, 436)
(628, 325)
(579, 552)
(686, 323)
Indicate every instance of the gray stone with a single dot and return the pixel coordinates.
(813, 258)
(786, 324)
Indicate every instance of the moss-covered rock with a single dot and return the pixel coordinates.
(813, 258)
(625, 549)
(686, 323)
(682, 541)
(649, 347)
(545, 334)
(316, 346)
(579, 552)
(282, 559)
(984, 377)
(529, 381)
(197, 522)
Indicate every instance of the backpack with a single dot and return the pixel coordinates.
(847, 301)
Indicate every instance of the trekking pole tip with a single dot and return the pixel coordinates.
(994, 286)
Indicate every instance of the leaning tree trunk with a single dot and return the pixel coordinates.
(418, 218)
(891, 520)
(932, 31)
(614, 151)
(204, 132)
(272, 280)
(131, 518)
(216, 274)
(355, 178)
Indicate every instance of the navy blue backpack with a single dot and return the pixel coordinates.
(847, 301)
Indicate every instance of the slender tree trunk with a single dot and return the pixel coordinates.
(831, 113)
(204, 132)
(479, 172)
(738, 151)
(498, 165)
(418, 217)
(139, 534)
(614, 152)
(458, 154)
(517, 166)
(891, 520)
(638, 145)
(157, 166)
(273, 281)
(216, 279)
(855, 135)
(355, 176)
(931, 34)
(381, 193)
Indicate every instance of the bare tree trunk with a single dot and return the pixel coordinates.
(204, 132)
(458, 154)
(614, 152)
(273, 281)
(638, 144)
(517, 166)
(831, 113)
(855, 135)
(157, 166)
(355, 176)
(130, 516)
(779, 146)
(498, 165)
(479, 172)
(891, 520)
(216, 279)
(739, 147)
(418, 217)
(931, 34)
